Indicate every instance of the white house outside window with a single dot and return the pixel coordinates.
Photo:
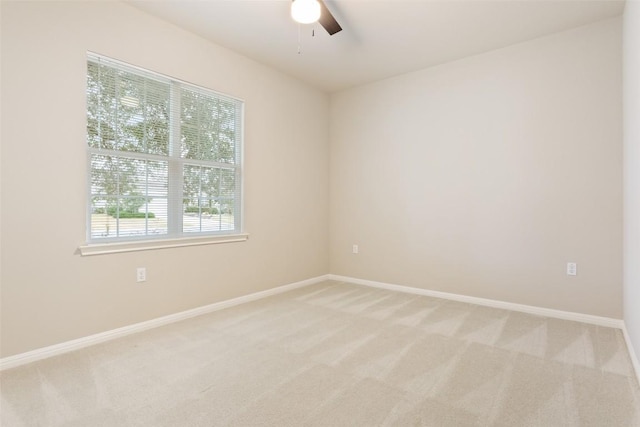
(164, 156)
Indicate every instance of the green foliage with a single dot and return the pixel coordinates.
(208, 132)
(124, 214)
(113, 211)
(138, 105)
(125, 112)
(207, 127)
(130, 113)
(195, 209)
(128, 213)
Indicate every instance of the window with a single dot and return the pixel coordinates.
(164, 156)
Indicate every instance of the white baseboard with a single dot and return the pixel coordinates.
(540, 311)
(632, 353)
(65, 347)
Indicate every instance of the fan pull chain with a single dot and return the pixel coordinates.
(299, 41)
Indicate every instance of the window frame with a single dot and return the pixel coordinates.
(175, 235)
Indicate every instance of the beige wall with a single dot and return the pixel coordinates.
(480, 177)
(49, 293)
(632, 172)
(485, 176)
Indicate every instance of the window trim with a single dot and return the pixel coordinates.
(151, 244)
(95, 246)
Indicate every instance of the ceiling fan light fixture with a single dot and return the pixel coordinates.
(305, 11)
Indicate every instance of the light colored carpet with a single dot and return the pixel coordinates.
(336, 354)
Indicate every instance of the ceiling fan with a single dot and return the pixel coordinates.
(309, 11)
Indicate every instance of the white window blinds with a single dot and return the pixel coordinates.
(164, 156)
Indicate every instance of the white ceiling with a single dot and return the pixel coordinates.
(380, 38)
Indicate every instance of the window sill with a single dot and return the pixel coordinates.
(146, 245)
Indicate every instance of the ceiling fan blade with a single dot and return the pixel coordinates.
(327, 20)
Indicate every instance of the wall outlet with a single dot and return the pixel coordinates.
(141, 274)
(355, 249)
(572, 269)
